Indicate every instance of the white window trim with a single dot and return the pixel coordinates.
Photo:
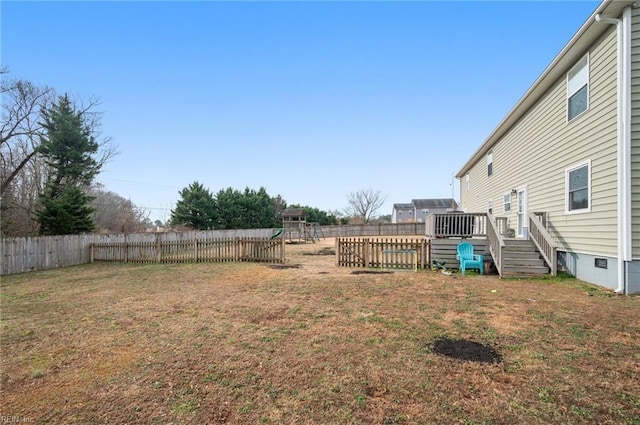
(504, 203)
(569, 93)
(490, 163)
(490, 206)
(566, 188)
(468, 185)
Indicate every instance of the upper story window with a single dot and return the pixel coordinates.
(490, 163)
(467, 181)
(578, 188)
(507, 202)
(578, 88)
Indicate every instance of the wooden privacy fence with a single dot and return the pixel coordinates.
(195, 250)
(387, 253)
(19, 255)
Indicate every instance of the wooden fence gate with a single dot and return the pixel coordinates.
(385, 253)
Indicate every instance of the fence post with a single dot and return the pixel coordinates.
(282, 255)
(126, 250)
(195, 250)
(367, 252)
(91, 253)
(158, 249)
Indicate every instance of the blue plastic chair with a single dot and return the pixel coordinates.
(469, 260)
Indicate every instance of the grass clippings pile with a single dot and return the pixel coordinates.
(247, 344)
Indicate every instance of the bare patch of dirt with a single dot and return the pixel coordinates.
(321, 251)
(464, 349)
(284, 266)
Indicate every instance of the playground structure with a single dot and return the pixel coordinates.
(297, 229)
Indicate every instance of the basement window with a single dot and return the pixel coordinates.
(600, 263)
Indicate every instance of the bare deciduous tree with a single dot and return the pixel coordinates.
(365, 203)
(115, 214)
(22, 170)
(20, 128)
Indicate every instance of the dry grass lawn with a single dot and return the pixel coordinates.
(316, 344)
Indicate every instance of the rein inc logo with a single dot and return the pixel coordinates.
(7, 419)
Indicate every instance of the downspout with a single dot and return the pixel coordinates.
(623, 27)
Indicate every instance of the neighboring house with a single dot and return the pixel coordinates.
(418, 209)
(403, 213)
(570, 150)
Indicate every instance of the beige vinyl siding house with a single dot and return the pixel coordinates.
(560, 143)
(635, 133)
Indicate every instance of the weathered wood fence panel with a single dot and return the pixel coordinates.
(372, 229)
(382, 252)
(21, 255)
(191, 250)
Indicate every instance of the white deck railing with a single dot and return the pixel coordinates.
(456, 225)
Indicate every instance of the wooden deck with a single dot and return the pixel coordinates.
(489, 235)
(444, 250)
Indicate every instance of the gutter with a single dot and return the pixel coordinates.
(572, 51)
(623, 27)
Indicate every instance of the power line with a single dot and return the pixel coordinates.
(134, 205)
(141, 183)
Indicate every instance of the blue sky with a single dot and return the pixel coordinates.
(311, 100)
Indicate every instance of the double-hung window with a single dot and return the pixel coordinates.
(578, 188)
(578, 88)
(490, 206)
(507, 202)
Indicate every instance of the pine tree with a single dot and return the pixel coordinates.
(196, 209)
(67, 214)
(246, 210)
(69, 149)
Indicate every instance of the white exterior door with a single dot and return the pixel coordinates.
(523, 230)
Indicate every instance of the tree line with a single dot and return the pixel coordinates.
(52, 149)
(198, 208)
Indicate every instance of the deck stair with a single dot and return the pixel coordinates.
(521, 258)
